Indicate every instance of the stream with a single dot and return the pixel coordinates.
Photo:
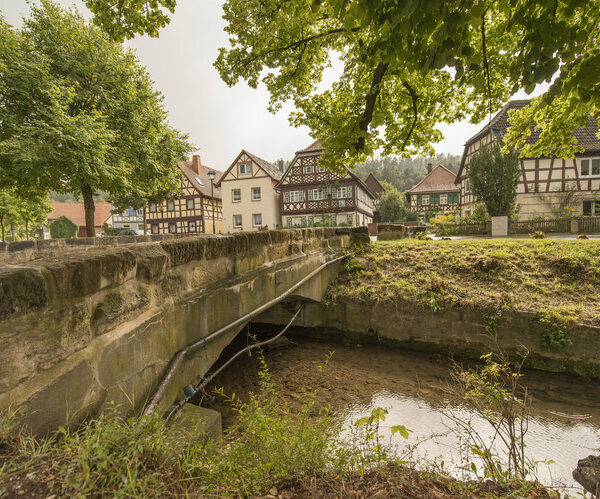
(414, 388)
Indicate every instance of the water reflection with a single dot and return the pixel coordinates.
(558, 440)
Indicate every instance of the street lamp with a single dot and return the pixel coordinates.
(211, 176)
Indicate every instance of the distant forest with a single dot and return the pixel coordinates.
(403, 173)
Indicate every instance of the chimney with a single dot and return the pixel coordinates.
(196, 165)
(429, 168)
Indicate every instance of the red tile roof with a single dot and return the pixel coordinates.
(315, 146)
(76, 213)
(439, 180)
(200, 181)
(372, 182)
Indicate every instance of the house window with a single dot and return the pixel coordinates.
(255, 193)
(425, 199)
(256, 220)
(453, 198)
(322, 169)
(189, 204)
(236, 195)
(170, 205)
(139, 213)
(419, 200)
(191, 226)
(589, 167)
(237, 220)
(154, 228)
(467, 185)
(443, 198)
(293, 196)
(172, 228)
(308, 169)
(342, 192)
(342, 202)
(289, 221)
(349, 219)
(245, 168)
(591, 207)
(152, 207)
(317, 194)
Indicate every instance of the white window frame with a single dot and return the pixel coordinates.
(443, 198)
(174, 225)
(254, 190)
(237, 226)
(467, 185)
(590, 167)
(233, 197)
(187, 204)
(425, 200)
(322, 169)
(254, 224)
(245, 168)
(195, 226)
(308, 169)
(293, 197)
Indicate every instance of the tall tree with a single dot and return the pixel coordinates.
(494, 177)
(392, 206)
(410, 65)
(32, 213)
(8, 210)
(101, 126)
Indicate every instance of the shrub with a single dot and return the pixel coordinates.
(63, 228)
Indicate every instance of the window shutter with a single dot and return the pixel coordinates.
(418, 200)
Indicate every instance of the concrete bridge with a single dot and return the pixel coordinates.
(84, 327)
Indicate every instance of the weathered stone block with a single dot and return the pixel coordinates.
(72, 396)
(184, 250)
(152, 262)
(192, 423)
(21, 290)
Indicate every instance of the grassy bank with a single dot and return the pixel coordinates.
(270, 450)
(557, 279)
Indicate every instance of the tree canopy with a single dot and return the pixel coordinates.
(494, 176)
(79, 114)
(392, 205)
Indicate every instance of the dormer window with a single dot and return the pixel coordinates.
(589, 167)
(308, 169)
(245, 168)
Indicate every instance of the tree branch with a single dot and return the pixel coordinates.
(370, 100)
(297, 43)
(414, 97)
(486, 66)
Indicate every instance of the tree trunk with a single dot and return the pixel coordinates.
(88, 206)
(12, 232)
(27, 230)
(2, 224)
(144, 212)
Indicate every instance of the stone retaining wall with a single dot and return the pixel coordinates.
(460, 332)
(84, 330)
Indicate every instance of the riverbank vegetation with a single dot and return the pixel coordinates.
(556, 279)
(269, 450)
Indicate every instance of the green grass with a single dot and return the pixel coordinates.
(560, 276)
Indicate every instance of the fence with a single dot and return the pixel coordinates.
(557, 226)
(588, 225)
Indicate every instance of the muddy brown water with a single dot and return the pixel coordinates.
(413, 387)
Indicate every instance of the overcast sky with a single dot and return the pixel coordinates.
(220, 120)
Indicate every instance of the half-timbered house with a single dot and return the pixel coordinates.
(250, 201)
(548, 186)
(195, 210)
(311, 195)
(435, 193)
